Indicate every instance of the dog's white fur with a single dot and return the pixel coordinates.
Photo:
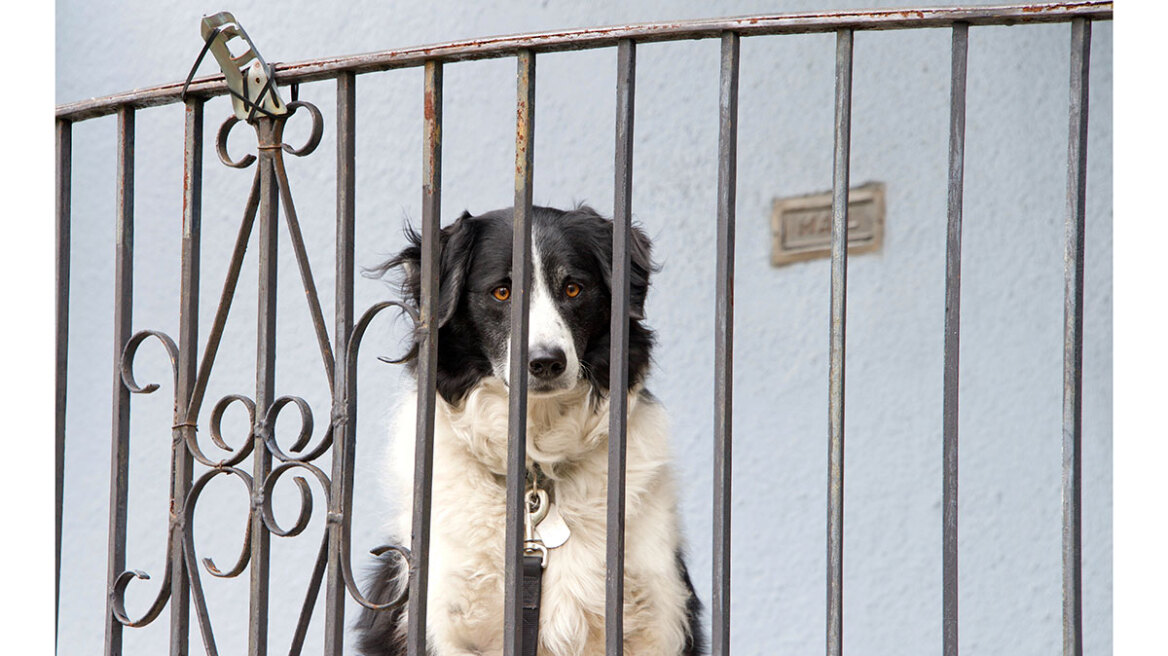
(568, 436)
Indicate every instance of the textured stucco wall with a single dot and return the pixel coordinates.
(1012, 301)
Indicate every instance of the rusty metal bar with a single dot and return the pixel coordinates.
(334, 616)
(310, 294)
(517, 417)
(227, 296)
(1073, 341)
(724, 341)
(427, 364)
(123, 330)
(839, 288)
(63, 244)
(949, 412)
(618, 376)
(188, 336)
(602, 37)
(267, 245)
(310, 597)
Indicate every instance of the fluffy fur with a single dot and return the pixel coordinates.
(567, 436)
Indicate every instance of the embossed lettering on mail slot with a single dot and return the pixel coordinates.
(801, 225)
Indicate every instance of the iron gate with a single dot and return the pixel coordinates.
(181, 584)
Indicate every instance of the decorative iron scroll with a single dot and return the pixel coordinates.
(311, 441)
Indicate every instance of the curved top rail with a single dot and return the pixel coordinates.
(599, 37)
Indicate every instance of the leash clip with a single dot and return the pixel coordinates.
(536, 507)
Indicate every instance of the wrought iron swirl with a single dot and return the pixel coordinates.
(298, 452)
(118, 593)
(191, 559)
(350, 446)
(216, 425)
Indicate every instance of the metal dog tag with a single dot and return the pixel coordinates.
(551, 529)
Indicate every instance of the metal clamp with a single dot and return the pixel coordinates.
(250, 80)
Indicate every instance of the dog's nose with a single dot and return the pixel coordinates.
(547, 362)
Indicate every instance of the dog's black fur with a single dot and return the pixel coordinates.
(475, 257)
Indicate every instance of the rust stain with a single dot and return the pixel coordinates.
(905, 13)
(428, 108)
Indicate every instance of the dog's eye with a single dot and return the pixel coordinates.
(572, 290)
(501, 293)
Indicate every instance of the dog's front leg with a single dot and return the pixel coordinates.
(655, 617)
(466, 607)
(653, 624)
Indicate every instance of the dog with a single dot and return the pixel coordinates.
(567, 437)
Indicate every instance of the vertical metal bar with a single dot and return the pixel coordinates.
(618, 377)
(188, 341)
(520, 283)
(64, 239)
(1073, 341)
(839, 277)
(334, 616)
(265, 381)
(427, 357)
(724, 341)
(953, 338)
(123, 315)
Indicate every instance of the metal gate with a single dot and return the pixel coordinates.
(260, 463)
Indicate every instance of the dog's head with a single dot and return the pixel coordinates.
(570, 299)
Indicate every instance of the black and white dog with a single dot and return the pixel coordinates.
(567, 436)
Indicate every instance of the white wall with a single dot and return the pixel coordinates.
(1011, 304)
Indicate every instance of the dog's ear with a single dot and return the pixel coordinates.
(640, 254)
(456, 242)
(454, 265)
(640, 257)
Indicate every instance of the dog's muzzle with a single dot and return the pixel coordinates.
(547, 364)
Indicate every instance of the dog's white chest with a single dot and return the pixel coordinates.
(468, 532)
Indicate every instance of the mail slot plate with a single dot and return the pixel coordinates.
(801, 225)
